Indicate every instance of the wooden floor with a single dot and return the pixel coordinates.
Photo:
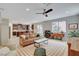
(53, 48)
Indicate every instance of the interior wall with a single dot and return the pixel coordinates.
(0, 34)
(4, 31)
(47, 25)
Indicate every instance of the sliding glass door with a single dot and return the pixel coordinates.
(59, 26)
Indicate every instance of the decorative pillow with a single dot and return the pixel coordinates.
(23, 36)
(32, 35)
(27, 36)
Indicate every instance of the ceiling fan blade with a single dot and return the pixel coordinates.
(49, 10)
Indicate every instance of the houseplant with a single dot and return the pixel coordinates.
(73, 33)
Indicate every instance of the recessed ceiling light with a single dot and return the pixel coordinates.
(27, 9)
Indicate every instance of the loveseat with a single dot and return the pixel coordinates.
(25, 41)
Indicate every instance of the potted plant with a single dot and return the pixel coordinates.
(73, 34)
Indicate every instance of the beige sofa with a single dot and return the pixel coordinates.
(26, 40)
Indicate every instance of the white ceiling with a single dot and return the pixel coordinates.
(18, 14)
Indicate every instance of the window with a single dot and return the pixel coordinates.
(59, 26)
(40, 29)
(54, 26)
(62, 26)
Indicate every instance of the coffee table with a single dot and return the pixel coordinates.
(39, 41)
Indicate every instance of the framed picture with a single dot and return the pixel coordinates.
(73, 26)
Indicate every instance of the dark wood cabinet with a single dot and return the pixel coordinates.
(32, 27)
(19, 29)
(27, 27)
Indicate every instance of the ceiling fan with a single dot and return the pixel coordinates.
(46, 12)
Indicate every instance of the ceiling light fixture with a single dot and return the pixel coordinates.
(27, 9)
